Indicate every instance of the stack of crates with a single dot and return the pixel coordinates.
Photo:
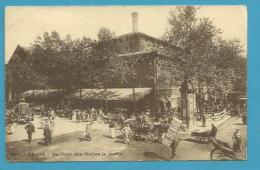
(172, 133)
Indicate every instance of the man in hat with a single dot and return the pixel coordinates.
(174, 145)
(88, 131)
(30, 129)
(236, 141)
(47, 134)
(213, 130)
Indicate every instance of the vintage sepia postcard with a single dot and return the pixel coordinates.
(125, 83)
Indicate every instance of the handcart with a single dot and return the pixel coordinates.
(222, 151)
(151, 135)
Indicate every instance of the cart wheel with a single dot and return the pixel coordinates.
(223, 158)
(216, 154)
(149, 138)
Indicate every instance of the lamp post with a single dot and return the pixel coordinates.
(186, 89)
(184, 108)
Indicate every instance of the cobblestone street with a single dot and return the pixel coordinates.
(69, 144)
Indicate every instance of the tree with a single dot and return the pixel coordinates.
(124, 69)
(105, 50)
(203, 51)
(105, 34)
(81, 60)
(45, 59)
(230, 67)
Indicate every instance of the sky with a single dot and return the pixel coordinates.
(24, 24)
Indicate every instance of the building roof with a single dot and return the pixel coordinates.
(20, 53)
(39, 93)
(148, 37)
(161, 53)
(112, 94)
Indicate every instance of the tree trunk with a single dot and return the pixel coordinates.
(45, 101)
(80, 93)
(155, 87)
(106, 103)
(135, 109)
(200, 101)
(184, 101)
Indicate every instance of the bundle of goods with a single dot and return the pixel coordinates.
(172, 133)
(202, 136)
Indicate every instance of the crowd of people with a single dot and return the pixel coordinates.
(133, 126)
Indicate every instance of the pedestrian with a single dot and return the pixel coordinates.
(88, 131)
(30, 129)
(213, 130)
(204, 119)
(111, 129)
(10, 129)
(52, 114)
(84, 116)
(161, 129)
(74, 116)
(126, 133)
(47, 135)
(174, 145)
(52, 125)
(236, 141)
(179, 110)
(42, 110)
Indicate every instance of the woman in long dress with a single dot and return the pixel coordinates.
(74, 116)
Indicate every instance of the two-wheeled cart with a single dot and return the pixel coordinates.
(222, 151)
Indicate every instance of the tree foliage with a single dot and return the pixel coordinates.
(208, 60)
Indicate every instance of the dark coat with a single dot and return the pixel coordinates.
(30, 128)
(214, 131)
(174, 143)
(47, 132)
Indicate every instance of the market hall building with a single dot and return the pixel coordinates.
(153, 86)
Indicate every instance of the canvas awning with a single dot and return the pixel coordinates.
(164, 100)
(116, 94)
(39, 93)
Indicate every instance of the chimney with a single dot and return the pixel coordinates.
(135, 21)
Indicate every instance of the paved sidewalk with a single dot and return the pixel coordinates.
(198, 126)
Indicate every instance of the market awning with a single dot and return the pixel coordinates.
(116, 94)
(39, 93)
(137, 53)
(164, 100)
